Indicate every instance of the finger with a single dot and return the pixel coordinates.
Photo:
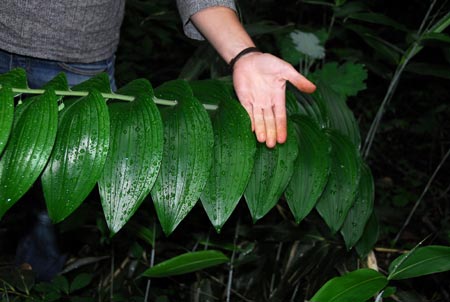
(279, 111)
(299, 81)
(260, 128)
(271, 130)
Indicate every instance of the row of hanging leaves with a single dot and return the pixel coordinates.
(178, 153)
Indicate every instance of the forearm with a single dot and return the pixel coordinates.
(221, 27)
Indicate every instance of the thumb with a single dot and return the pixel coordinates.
(298, 80)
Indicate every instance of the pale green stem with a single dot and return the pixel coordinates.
(113, 96)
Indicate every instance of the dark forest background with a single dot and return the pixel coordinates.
(408, 159)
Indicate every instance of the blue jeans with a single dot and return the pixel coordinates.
(40, 71)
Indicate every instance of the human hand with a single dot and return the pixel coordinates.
(259, 80)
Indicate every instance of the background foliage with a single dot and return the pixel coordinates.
(276, 260)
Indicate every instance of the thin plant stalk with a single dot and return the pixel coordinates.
(425, 190)
(439, 26)
(230, 273)
(152, 262)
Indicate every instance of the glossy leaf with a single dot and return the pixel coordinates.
(134, 157)
(99, 82)
(369, 237)
(28, 149)
(420, 261)
(233, 157)
(186, 263)
(16, 78)
(78, 157)
(340, 116)
(271, 173)
(360, 212)
(7, 115)
(340, 191)
(187, 155)
(59, 82)
(210, 91)
(356, 286)
(304, 104)
(311, 168)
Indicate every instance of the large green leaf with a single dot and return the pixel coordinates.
(356, 286)
(186, 263)
(29, 147)
(340, 191)
(16, 78)
(58, 83)
(420, 261)
(311, 168)
(7, 115)
(271, 173)
(304, 104)
(234, 151)
(210, 91)
(187, 155)
(339, 114)
(78, 157)
(360, 212)
(100, 83)
(369, 237)
(134, 157)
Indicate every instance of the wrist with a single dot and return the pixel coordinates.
(243, 53)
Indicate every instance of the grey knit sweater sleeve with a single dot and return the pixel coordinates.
(187, 8)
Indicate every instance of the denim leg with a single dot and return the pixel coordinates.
(5, 61)
(41, 71)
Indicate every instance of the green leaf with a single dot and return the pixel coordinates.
(339, 115)
(345, 80)
(304, 104)
(210, 91)
(100, 83)
(311, 168)
(435, 70)
(186, 263)
(349, 9)
(340, 191)
(271, 173)
(360, 212)
(380, 19)
(356, 286)
(382, 48)
(187, 155)
(420, 261)
(80, 281)
(61, 283)
(78, 157)
(16, 78)
(369, 237)
(233, 158)
(145, 233)
(7, 114)
(29, 147)
(59, 82)
(134, 157)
